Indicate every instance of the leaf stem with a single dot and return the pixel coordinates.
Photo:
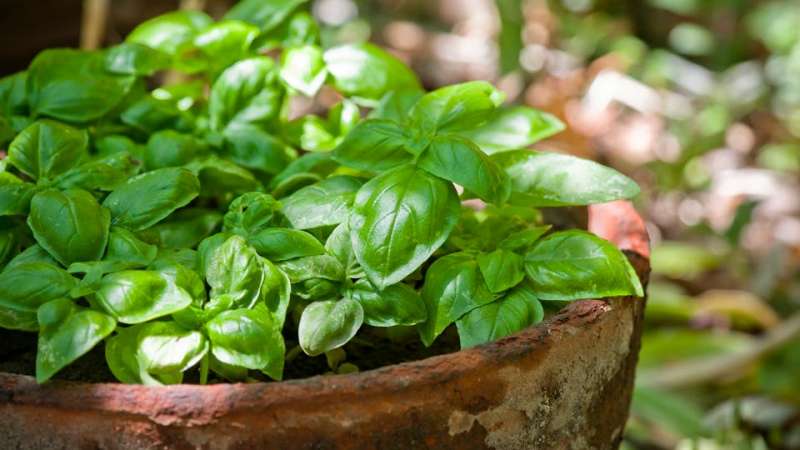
(204, 363)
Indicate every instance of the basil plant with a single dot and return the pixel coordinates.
(204, 226)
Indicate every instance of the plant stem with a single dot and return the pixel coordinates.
(204, 363)
(93, 24)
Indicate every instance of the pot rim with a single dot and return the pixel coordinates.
(616, 221)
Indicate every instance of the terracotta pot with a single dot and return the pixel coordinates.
(564, 384)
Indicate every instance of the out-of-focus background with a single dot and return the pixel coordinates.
(698, 100)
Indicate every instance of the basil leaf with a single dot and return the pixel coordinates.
(280, 244)
(46, 149)
(235, 269)
(327, 202)
(149, 114)
(184, 229)
(250, 213)
(120, 354)
(130, 58)
(521, 240)
(81, 225)
(34, 253)
(398, 220)
(311, 133)
(66, 333)
(135, 296)
(173, 33)
(166, 347)
(104, 173)
(550, 179)
(397, 305)
(573, 265)
(24, 286)
(329, 324)
(245, 93)
(460, 161)
(319, 164)
(255, 149)
(71, 85)
(247, 338)
(339, 245)
(364, 70)
(501, 269)
(308, 267)
(453, 287)
(513, 128)
(374, 145)
(169, 148)
(454, 108)
(15, 195)
(13, 98)
(303, 69)
(124, 246)
(146, 199)
(220, 176)
(396, 105)
(225, 42)
(516, 311)
(266, 15)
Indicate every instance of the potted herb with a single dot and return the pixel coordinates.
(201, 233)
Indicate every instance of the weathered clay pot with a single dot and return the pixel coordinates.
(565, 384)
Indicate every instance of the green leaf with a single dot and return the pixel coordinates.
(453, 287)
(69, 224)
(253, 148)
(574, 265)
(235, 269)
(265, 14)
(316, 164)
(149, 114)
(148, 198)
(71, 85)
(225, 42)
(247, 338)
(247, 92)
(173, 33)
(340, 246)
(374, 145)
(308, 267)
(398, 220)
(26, 285)
(135, 296)
(280, 244)
(329, 324)
(125, 246)
(513, 128)
(220, 176)
(169, 148)
(121, 354)
(311, 133)
(166, 347)
(130, 58)
(327, 202)
(66, 333)
(550, 179)
(15, 195)
(184, 228)
(396, 105)
(397, 305)
(250, 213)
(501, 269)
(512, 313)
(366, 71)
(102, 173)
(34, 253)
(460, 161)
(455, 108)
(303, 69)
(13, 98)
(46, 149)
(522, 240)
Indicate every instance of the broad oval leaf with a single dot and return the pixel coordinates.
(303, 69)
(266, 15)
(225, 42)
(253, 148)
(366, 71)
(173, 33)
(247, 338)
(460, 161)
(329, 324)
(457, 107)
(69, 224)
(453, 287)
(247, 92)
(170, 148)
(130, 58)
(397, 305)
(148, 198)
(235, 269)
(15, 195)
(327, 202)
(166, 347)
(541, 179)
(399, 219)
(513, 128)
(26, 285)
(280, 244)
(71, 85)
(250, 213)
(319, 266)
(501, 269)
(67, 332)
(574, 265)
(46, 149)
(516, 311)
(136, 296)
(374, 145)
